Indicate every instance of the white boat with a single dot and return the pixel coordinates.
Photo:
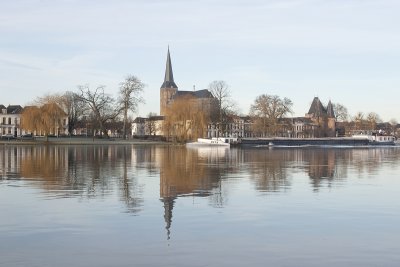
(210, 142)
(377, 138)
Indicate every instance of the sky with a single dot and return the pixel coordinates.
(346, 51)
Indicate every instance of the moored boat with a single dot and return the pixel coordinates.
(210, 142)
(376, 138)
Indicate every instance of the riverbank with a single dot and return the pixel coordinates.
(81, 141)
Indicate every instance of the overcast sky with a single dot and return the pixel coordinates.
(346, 51)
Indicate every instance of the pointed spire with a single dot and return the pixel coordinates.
(168, 206)
(330, 111)
(169, 76)
(317, 109)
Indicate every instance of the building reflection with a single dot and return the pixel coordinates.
(188, 172)
(122, 171)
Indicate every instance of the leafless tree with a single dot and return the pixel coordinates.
(129, 97)
(102, 105)
(226, 106)
(359, 121)
(341, 113)
(151, 124)
(393, 124)
(74, 107)
(267, 110)
(373, 119)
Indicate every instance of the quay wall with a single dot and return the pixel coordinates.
(333, 141)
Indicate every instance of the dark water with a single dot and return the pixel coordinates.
(168, 206)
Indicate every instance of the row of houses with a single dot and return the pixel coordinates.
(320, 121)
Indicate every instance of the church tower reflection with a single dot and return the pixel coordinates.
(182, 174)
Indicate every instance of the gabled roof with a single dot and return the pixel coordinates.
(196, 94)
(317, 109)
(169, 76)
(330, 111)
(2, 107)
(14, 109)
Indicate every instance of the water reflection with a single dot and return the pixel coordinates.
(96, 171)
(105, 171)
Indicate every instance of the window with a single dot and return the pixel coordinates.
(9, 121)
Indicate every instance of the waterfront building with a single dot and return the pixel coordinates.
(323, 119)
(203, 100)
(236, 127)
(10, 120)
(152, 126)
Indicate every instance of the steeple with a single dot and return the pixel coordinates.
(317, 109)
(169, 76)
(330, 111)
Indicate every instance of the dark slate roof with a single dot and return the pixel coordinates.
(317, 108)
(301, 120)
(139, 120)
(330, 111)
(14, 109)
(169, 76)
(196, 94)
(2, 107)
(156, 118)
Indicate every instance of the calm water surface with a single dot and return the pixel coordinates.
(172, 206)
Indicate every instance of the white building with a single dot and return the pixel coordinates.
(10, 120)
(237, 127)
(148, 126)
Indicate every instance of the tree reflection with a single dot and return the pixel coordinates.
(95, 171)
(269, 168)
(77, 171)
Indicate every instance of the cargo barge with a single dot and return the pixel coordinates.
(296, 142)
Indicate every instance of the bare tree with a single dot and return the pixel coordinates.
(359, 121)
(221, 92)
(341, 113)
(267, 110)
(69, 102)
(393, 124)
(129, 97)
(151, 124)
(101, 104)
(74, 107)
(373, 119)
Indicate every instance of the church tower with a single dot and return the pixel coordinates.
(168, 88)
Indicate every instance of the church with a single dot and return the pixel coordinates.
(202, 99)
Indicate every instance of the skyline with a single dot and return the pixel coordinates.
(343, 51)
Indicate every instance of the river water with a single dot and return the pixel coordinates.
(172, 206)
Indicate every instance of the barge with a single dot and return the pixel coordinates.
(299, 142)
